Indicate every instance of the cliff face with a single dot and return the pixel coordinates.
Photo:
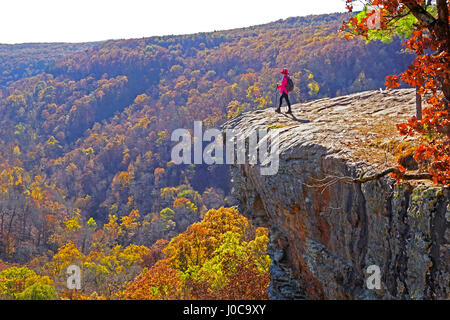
(325, 232)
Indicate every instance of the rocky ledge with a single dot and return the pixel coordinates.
(324, 231)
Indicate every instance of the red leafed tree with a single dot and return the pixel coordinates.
(429, 39)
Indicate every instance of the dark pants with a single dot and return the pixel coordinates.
(286, 97)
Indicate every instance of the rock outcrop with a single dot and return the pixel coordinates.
(326, 232)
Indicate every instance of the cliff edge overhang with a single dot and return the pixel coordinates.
(326, 232)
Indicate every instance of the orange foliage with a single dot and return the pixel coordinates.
(161, 283)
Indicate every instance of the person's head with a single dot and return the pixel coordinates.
(284, 71)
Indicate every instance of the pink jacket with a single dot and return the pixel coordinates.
(283, 84)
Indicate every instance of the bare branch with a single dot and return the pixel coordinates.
(401, 175)
(331, 180)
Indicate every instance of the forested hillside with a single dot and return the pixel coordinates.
(85, 168)
(28, 59)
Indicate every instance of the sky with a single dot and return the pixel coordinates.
(94, 20)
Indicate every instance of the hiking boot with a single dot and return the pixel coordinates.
(289, 111)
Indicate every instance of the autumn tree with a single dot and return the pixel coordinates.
(154, 254)
(161, 282)
(23, 283)
(216, 258)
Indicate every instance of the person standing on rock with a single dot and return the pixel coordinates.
(284, 88)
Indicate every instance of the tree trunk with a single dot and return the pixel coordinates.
(443, 34)
(418, 104)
